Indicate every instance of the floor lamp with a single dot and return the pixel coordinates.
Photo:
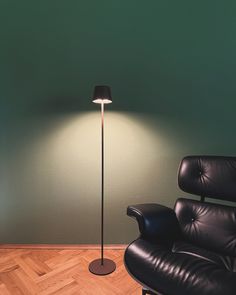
(102, 266)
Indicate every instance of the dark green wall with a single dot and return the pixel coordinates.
(172, 69)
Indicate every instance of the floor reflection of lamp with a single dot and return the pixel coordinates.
(102, 266)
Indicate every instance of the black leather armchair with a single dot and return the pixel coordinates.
(190, 250)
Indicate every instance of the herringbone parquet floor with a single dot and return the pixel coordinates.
(61, 272)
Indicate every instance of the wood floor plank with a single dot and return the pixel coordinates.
(27, 268)
(10, 283)
(57, 286)
(37, 266)
(8, 265)
(42, 256)
(3, 290)
(24, 282)
(71, 289)
(63, 258)
(61, 272)
(54, 279)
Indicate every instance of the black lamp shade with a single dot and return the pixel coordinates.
(102, 94)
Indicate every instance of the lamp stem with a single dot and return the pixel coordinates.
(102, 182)
(102, 266)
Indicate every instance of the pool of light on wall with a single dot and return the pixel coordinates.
(55, 173)
(72, 152)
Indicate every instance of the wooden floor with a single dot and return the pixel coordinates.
(62, 272)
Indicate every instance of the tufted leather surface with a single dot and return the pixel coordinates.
(209, 176)
(208, 225)
(177, 273)
(200, 256)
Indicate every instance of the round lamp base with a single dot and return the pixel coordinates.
(96, 267)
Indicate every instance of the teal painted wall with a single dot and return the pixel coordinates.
(172, 69)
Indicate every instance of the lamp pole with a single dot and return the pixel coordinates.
(102, 181)
(102, 266)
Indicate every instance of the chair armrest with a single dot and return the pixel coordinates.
(156, 222)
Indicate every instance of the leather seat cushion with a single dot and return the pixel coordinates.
(226, 262)
(182, 270)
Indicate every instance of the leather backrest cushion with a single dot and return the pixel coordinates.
(208, 225)
(209, 176)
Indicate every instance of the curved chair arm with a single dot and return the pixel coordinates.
(156, 222)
